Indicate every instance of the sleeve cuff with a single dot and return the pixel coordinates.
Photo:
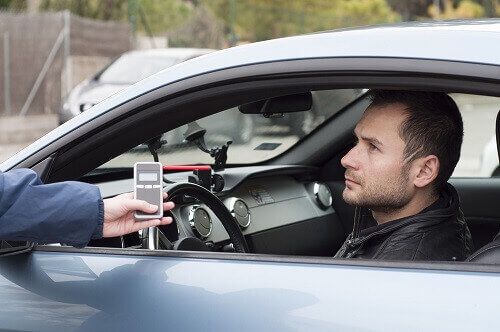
(97, 234)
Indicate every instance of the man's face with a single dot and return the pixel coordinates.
(376, 174)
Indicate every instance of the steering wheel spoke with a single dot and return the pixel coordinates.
(153, 238)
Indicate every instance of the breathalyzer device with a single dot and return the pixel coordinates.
(148, 180)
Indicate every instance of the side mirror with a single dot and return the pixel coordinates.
(298, 102)
(8, 248)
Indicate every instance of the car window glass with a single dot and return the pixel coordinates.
(479, 157)
(255, 138)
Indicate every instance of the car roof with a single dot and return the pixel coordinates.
(475, 41)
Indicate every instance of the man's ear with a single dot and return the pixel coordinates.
(427, 169)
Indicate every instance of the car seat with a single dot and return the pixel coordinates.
(490, 253)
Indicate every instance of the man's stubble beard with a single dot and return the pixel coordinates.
(387, 196)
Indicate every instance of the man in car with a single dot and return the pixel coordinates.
(408, 144)
(67, 212)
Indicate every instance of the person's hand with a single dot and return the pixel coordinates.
(119, 215)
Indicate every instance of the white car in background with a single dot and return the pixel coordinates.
(134, 66)
(127, 69)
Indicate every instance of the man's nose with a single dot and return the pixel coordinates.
(349, 160)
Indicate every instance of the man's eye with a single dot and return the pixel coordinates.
(372, 146)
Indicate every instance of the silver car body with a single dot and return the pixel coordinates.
(56, 288)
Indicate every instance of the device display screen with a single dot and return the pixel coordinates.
(148, 176)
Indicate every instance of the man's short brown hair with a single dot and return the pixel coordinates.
(433, 127)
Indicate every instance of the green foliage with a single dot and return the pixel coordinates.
(363, 12)
(464, 9)
(411, 9)
(96, 9)
(163, 15)
(156, 15)
(5, 4)
(202, 30)
(15, 5)
(255, 20)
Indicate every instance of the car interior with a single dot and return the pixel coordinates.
(281, 192)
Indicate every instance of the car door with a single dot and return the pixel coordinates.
(98, 291)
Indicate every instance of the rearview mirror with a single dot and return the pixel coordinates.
(298, 102)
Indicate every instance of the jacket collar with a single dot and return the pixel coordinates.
(445, 207)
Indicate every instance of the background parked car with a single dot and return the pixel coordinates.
(122, 72)
(132, 67)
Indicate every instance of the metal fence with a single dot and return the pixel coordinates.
(40, 55)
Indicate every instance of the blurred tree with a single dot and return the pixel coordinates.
(464, 9)
(203, 30)
(496, 8)
(157, 15)
(103, 10)
(489, 7)
(254, 20)
(163, 15)
(365, 12)
(411, 9)
(15, 5)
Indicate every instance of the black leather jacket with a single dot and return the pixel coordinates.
(438, 233)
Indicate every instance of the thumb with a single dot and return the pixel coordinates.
(139, 205)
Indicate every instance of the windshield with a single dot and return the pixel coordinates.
(255, 138)
(129, 69)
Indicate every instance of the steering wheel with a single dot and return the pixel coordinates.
(152, 237)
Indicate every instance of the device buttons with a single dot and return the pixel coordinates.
(156, 186)
(148, 186)
(140, 186)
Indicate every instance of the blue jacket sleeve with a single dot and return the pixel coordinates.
(67, 212)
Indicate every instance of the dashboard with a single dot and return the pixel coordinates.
(265, 201)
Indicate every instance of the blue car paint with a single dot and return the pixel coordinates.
(90, 292)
